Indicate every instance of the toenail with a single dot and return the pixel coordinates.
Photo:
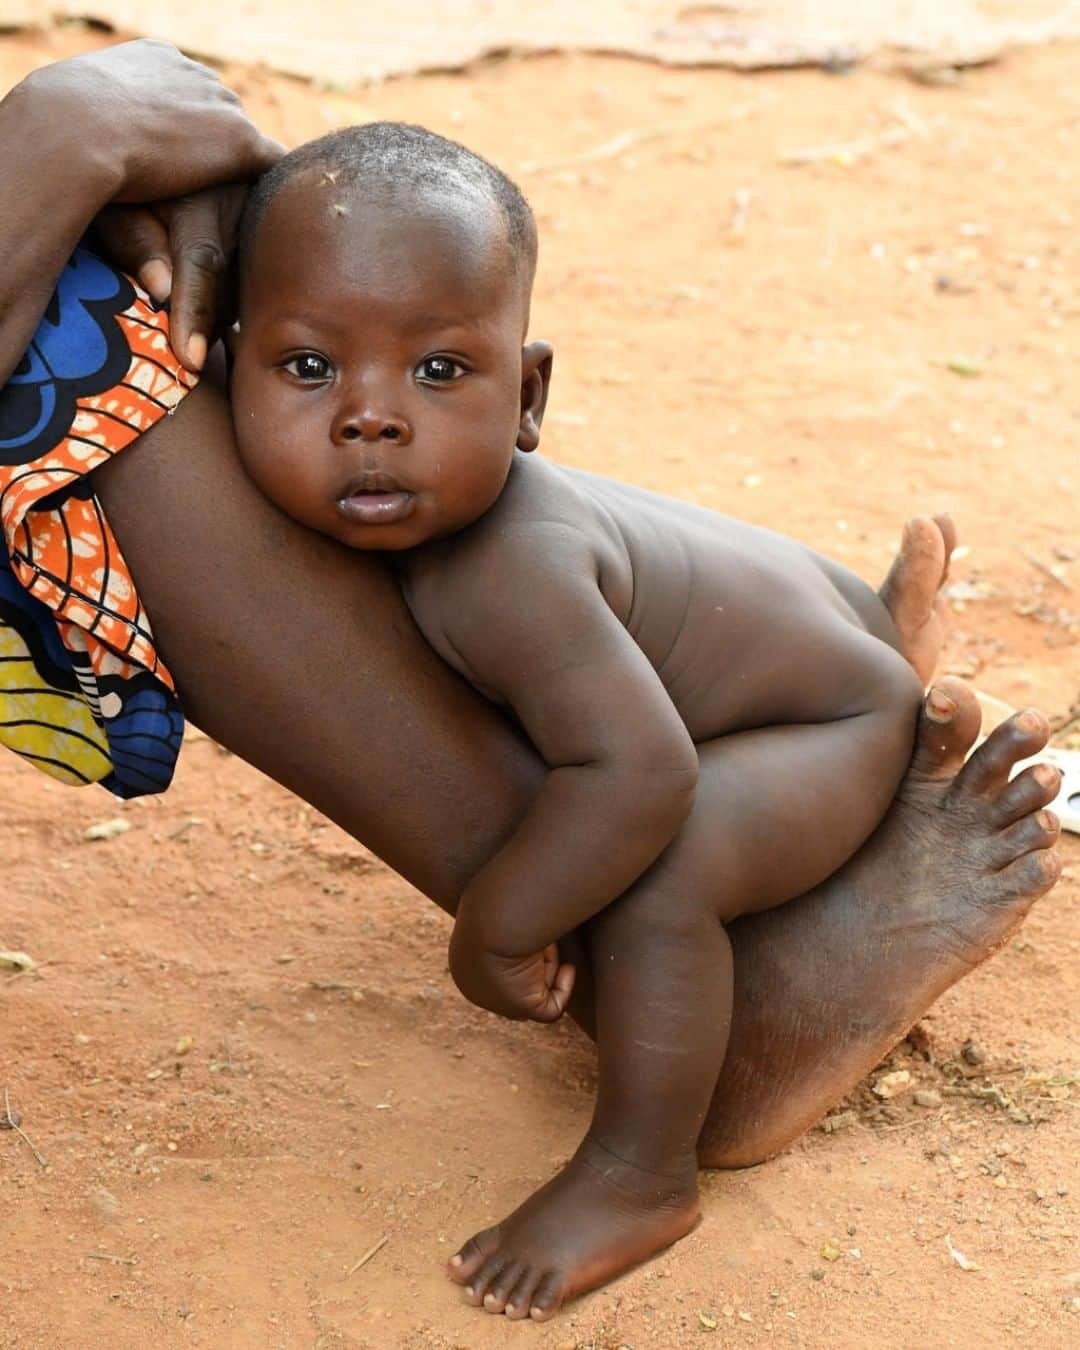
(939, 706)
(1046, 775)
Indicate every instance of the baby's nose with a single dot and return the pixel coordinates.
(370, 425)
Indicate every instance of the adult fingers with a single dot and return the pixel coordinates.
(202, 236)
(138, 243)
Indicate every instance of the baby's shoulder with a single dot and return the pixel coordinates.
(540, 536)
(540, 516)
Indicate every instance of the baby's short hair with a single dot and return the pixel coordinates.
(387, 157)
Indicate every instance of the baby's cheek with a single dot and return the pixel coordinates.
(276, 462)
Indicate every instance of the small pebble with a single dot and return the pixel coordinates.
(970, 1053)
(927, 1097)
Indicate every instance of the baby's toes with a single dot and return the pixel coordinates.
(548, 1298)
(519, 1303)
(472, 1256)
(478, 1287)
(500, 1287)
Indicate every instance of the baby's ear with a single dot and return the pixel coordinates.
(536, 359)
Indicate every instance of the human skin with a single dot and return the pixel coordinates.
(363, 720)
(696, 687)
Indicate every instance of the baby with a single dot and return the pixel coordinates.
(722, 711)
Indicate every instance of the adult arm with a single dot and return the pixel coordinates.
(137, 122)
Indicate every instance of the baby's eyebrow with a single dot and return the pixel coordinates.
(424, 322)
(317, 319)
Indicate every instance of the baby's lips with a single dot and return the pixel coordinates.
(370, 481)
(377, 507)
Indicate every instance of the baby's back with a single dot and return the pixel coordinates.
(744, 627)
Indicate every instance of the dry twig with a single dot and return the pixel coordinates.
(371, 1251)
(11, 1122)
(1045, 569)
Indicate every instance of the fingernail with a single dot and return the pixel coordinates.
(1046, 775)
(939, 706)
(156, 279)
(196, 350)
(1048, 820)
(455, 1261)
(1029, 720)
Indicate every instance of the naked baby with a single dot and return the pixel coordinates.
(723, 712)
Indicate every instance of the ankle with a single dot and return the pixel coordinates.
(657, 1179)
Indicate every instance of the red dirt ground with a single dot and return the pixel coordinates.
(798, 360)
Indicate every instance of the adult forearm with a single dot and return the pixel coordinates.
(300, 656)
(51, 187)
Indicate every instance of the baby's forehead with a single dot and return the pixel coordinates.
(388, 238)
(457, 223)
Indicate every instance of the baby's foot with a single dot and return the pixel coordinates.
(597, 1218)
(912, 592)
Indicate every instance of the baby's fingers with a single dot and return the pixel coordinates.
(556, 996)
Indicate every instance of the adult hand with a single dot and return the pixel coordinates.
(161, 124)
(181, 250)
(136, 123)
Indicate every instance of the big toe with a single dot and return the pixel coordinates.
(464, 1264)
(948, 726)
(918, 570)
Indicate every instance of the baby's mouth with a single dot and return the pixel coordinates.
(375, 499)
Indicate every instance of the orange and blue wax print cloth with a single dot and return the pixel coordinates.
(84, 695)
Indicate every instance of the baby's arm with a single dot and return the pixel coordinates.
(527, 617)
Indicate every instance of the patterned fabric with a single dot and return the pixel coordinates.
(83, 693)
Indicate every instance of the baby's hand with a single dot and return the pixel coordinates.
(534, 987)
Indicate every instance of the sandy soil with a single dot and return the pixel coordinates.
(242, 1056)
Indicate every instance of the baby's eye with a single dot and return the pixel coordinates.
(309, 366)
(439, 370)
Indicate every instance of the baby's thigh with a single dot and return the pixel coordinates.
(780, 808)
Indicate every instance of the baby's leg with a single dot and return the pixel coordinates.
(777, 809)
(663, 993)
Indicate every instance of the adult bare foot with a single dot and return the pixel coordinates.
(912, 592)
(830, 981)
(594, 1220)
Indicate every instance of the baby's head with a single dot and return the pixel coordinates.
(380, 382)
